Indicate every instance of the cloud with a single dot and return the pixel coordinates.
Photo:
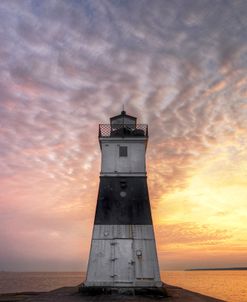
(191, 234)
(67, 66)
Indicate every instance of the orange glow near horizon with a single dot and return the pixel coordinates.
(206, 218)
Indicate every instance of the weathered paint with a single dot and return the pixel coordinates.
(123, 231)
(112, 163)
(123, 255)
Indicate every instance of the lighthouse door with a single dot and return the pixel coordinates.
(123, 264)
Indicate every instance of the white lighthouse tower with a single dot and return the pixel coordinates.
(123, 251)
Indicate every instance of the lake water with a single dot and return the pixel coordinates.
(226, 285)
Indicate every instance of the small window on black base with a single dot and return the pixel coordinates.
(123, 151)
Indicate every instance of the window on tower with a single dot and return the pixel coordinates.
(123, 151)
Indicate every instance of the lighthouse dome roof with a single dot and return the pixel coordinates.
(123, 118)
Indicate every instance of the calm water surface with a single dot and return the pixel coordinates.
(226, 285)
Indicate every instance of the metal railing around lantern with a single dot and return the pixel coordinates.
(123, 130)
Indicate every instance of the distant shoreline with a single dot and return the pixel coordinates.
(218, 269)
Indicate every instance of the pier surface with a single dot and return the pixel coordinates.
(71, 294)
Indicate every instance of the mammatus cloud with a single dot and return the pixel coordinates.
(67, 66)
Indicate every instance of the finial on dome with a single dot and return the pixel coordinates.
(123, 112)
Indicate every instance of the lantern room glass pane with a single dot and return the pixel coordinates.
(123, 120)
(117, 121)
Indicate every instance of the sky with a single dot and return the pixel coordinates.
(179, 66)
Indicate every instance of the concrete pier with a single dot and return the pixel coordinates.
(72, 294)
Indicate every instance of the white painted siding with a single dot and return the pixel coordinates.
(112, 163)
(99, 261)
(123, 231)
(123, 255)
(123, 264)
(144, 264)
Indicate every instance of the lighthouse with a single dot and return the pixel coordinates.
(123, 250)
